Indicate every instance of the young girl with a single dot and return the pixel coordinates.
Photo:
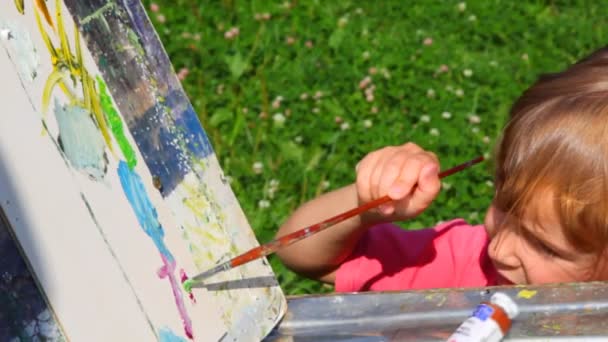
(548, 221)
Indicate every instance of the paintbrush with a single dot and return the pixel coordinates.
(283, 241)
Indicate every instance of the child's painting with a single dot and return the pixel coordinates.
(110, 186)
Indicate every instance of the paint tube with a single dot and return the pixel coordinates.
(489, 322)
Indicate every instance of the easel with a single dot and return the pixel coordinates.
(567, 311)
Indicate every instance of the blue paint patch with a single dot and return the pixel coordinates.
(166, 335)
(147, 217)
(170, 142)
(81, 140)
(483, 312)
(196, 139)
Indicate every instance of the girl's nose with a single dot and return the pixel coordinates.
(502, 250)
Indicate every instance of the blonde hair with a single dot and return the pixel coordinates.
(557, 139)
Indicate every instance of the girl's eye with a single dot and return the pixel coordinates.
(540, 246)
(545, 249)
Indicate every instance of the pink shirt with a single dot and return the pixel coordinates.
(387, 258)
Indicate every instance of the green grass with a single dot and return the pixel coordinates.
(492, 49)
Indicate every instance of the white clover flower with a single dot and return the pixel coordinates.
(365, 55)
(446, 185)
(359, 10)
(374, 110)
(474, 215)
(430, 93)
(258, 167)
(467, 72)
(298, 139)
(369, 97)
(303, 96)
(525, 57)
(318, 94)
(365, 82)
(344, 126)
(486, 139)
(475, 129)
(446, 115)
(263, 204)
(385, 73)
(342, 21)
(315, 110)
(325, 184)
(425, 118)
(462, 6)
(279, 118)
(490, 183)
(270, 192)
(472, 17)
(367, 123)
(474, 119)
(449, 88)
(459, 92)
(434, 132)
(274, 183)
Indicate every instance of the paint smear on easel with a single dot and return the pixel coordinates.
(80, 140)
(147, 217)
(27, 59)
(183, 277)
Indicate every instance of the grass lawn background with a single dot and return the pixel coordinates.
(294, 94)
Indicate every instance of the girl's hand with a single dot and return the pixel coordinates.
(407, 174)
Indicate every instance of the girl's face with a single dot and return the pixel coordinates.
(535, 251)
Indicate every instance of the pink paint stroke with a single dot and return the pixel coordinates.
(168, 270)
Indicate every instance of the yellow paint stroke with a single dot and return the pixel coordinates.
(63, 37)
(41, 6)
(20, 6)
(47, 40)
(70, 69)
(439, 298)
(526, 294)
(554, 327)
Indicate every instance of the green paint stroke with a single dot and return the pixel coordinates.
(188, 285)
(116, 124)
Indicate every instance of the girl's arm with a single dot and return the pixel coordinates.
(408, 174)
(320, 255)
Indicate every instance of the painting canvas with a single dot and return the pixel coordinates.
(110, 186)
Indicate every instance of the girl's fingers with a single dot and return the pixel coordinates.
(389, 156)
(364, 171)
(418, 184)
(426, 190)
(429, 179)
(406, 173)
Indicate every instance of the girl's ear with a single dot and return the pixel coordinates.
(490, 220)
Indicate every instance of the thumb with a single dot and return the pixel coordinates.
(429, 180)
